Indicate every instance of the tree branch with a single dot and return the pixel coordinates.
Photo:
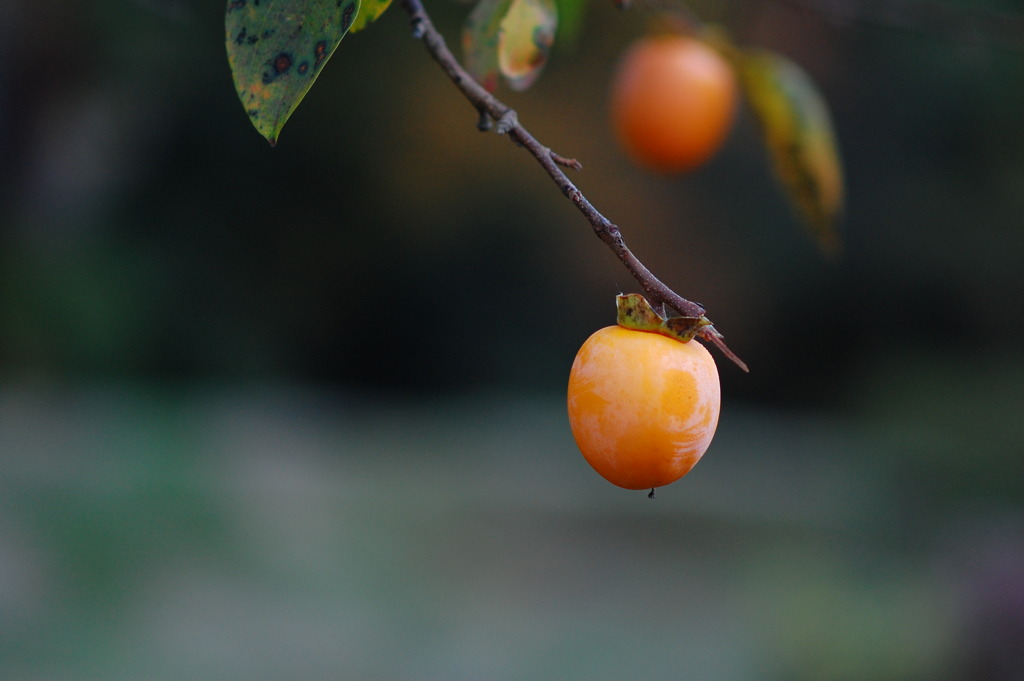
(507, 122)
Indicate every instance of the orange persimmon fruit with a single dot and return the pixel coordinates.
(673, 101)
(643, 407)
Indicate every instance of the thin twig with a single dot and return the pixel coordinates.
(570, 163)
(507, 122)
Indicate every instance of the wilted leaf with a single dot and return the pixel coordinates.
(510, 37)
(276, 49)
(369, 11)
(797, 128)
(525, 38)
(480, 41)
(634, 312)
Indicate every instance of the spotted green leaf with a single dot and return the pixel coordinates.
(511, 38)
(798, 131)
(277, 48)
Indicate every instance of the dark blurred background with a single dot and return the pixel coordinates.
(244, 435)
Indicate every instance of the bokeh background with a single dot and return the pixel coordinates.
(244, 436)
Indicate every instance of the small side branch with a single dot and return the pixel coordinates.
(507, 122)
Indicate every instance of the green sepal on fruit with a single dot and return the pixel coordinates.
(634, 312)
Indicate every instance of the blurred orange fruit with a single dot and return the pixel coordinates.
(673, 100)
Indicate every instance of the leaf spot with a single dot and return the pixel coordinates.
(348, 14)
(279, 66)
(282, 63)
(320, 52)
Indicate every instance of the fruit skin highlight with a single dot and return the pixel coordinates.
(643, 407)
(673, 101)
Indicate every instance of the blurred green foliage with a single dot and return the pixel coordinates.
(147, 232)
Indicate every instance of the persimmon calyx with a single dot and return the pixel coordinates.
(634, 312)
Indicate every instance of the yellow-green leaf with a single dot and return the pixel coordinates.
(798, 131)
(369, 11)
(525, 37)
(276, 49)
(508, 37)
(480, 41)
